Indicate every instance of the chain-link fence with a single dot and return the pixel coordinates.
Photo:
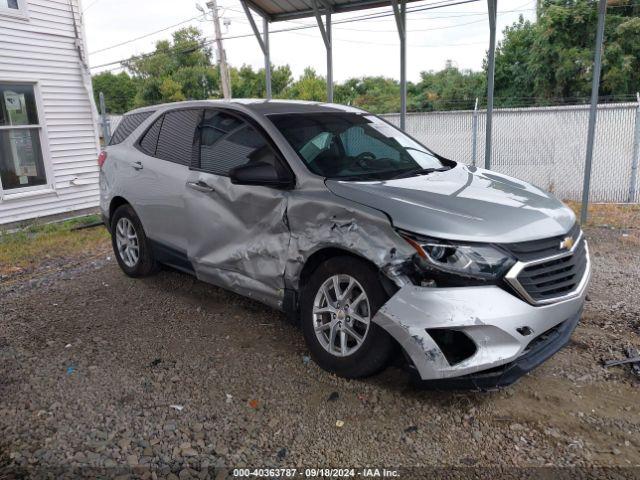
(108, 125)
(544, 145)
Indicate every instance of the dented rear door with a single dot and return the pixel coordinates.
(239, 235)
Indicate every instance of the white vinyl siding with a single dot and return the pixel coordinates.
(37, 46)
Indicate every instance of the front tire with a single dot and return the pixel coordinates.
(337, 305)
(130, 244)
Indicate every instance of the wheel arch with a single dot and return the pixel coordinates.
(115, 203)
(322, 255)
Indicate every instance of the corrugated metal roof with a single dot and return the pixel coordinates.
(277, 10)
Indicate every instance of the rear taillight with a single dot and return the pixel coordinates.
(101, 158)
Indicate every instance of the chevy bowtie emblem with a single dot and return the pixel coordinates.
(566, 243)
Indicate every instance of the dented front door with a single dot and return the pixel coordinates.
(238, 235)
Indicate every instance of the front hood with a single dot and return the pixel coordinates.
(464, 203)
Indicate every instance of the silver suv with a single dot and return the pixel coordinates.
(376, 244)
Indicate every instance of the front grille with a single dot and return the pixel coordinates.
(540, 280)
(555, 277)
(536, 249)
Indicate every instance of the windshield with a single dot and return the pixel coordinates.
(352, 146)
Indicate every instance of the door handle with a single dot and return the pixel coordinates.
(137, 165)
(200, 186)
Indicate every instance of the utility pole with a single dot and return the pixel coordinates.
(222, 57)
(538, 10)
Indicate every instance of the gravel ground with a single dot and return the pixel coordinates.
(169, 377)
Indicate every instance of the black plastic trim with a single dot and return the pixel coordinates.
(290, 305)
(172, 257)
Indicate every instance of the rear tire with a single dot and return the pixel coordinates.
(130, 243)
(364, 348)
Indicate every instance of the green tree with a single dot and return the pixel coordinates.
(553, 57)
(119, 91)
(180, 69)
(376, 94)
(310, 86)
(248, 83)
(448, 89)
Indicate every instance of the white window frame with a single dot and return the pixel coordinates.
(22, 13)
(49, 186)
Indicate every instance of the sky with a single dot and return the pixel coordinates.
(459, 33)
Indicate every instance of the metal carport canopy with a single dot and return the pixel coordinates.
(278, 10)
(281, 10)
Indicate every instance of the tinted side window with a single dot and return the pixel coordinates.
(127, 125)
(149, 141)
(178, 142)
(238, 148)
(215, 125)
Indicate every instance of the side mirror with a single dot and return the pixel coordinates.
(259, 173)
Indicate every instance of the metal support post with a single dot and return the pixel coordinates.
(325, 32)
(106, 124)
(400, 13)
(593, 111)
(636, 156)
(329, 59)
(264, 43)
(474, 139)
(491, 70)
(267, 57)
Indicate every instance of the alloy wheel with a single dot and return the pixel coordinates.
(341, 315)
(127, 242)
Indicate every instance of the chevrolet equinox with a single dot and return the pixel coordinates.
(372, 241)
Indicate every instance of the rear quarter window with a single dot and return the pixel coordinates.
(178, 142)
(127, 125)
(149, 141)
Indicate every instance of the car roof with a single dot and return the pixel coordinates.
(258, 105)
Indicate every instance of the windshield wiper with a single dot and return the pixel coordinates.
(418, 171)
(418, 150)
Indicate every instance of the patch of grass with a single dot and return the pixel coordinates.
(625, 216)
(30, 247)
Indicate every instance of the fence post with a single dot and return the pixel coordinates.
(636, 154)
(106, 125)
(474, 141)
(593, 111)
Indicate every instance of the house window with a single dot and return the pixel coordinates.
(9, 4)
(14, 8)
(21, 159)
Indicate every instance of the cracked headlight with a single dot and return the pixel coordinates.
(477, 261)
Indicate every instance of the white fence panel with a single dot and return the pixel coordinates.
(543, 145)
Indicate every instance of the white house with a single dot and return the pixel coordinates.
(48, 122)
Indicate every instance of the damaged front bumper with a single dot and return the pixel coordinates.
(493, 336)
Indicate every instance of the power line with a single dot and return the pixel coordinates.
(145, 35)
(90, 5)
(387, 44)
